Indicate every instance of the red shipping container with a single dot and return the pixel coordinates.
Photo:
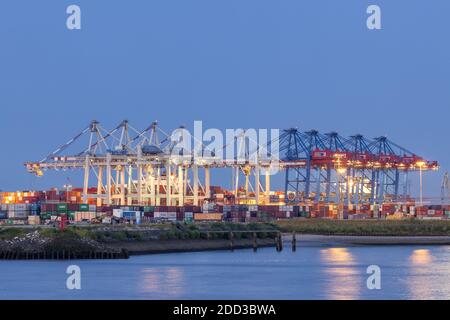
(180, 216)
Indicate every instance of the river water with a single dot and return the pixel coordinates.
(312, 272)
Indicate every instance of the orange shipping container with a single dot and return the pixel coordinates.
(34, 220)
(208, 216)
(80, 216)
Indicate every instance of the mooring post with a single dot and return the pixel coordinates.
(279, 242)
(255, 242)
(294, 242)
(231, 241)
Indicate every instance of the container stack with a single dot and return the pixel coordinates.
(18, 213)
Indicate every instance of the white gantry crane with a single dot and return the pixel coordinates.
(132, 167)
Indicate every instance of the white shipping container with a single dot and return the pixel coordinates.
(107, 220)
(17, 214)
(20, 207)
(166, 215)
(431, 218)
(118, 213)
(208, 206)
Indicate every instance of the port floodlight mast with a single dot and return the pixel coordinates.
(148, 167)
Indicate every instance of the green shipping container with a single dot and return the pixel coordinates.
(149, 209)
(61, 207)
(84, 207)
(262, 214)
(46, 215)
(303, 214)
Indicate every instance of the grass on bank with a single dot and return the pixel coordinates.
(164, 231)
(367, 227)
(220, 230)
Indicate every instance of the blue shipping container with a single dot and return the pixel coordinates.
(129, 214)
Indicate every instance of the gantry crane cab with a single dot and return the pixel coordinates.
(151, 150)
(34, 168)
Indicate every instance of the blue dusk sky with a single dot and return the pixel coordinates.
(231, 63)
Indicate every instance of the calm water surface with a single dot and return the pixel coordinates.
(408, 272)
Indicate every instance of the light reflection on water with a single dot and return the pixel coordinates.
(344, 279)
(337, 256)
(168, 280)
(421, 257)
(421, 285)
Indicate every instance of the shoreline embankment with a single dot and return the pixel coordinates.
(195, 245)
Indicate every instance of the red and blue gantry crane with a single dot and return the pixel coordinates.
(331, 168)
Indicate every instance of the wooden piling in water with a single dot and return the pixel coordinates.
(231, 235)
(255, 242)
(280, 239)
(279, 242)
(294, 242)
